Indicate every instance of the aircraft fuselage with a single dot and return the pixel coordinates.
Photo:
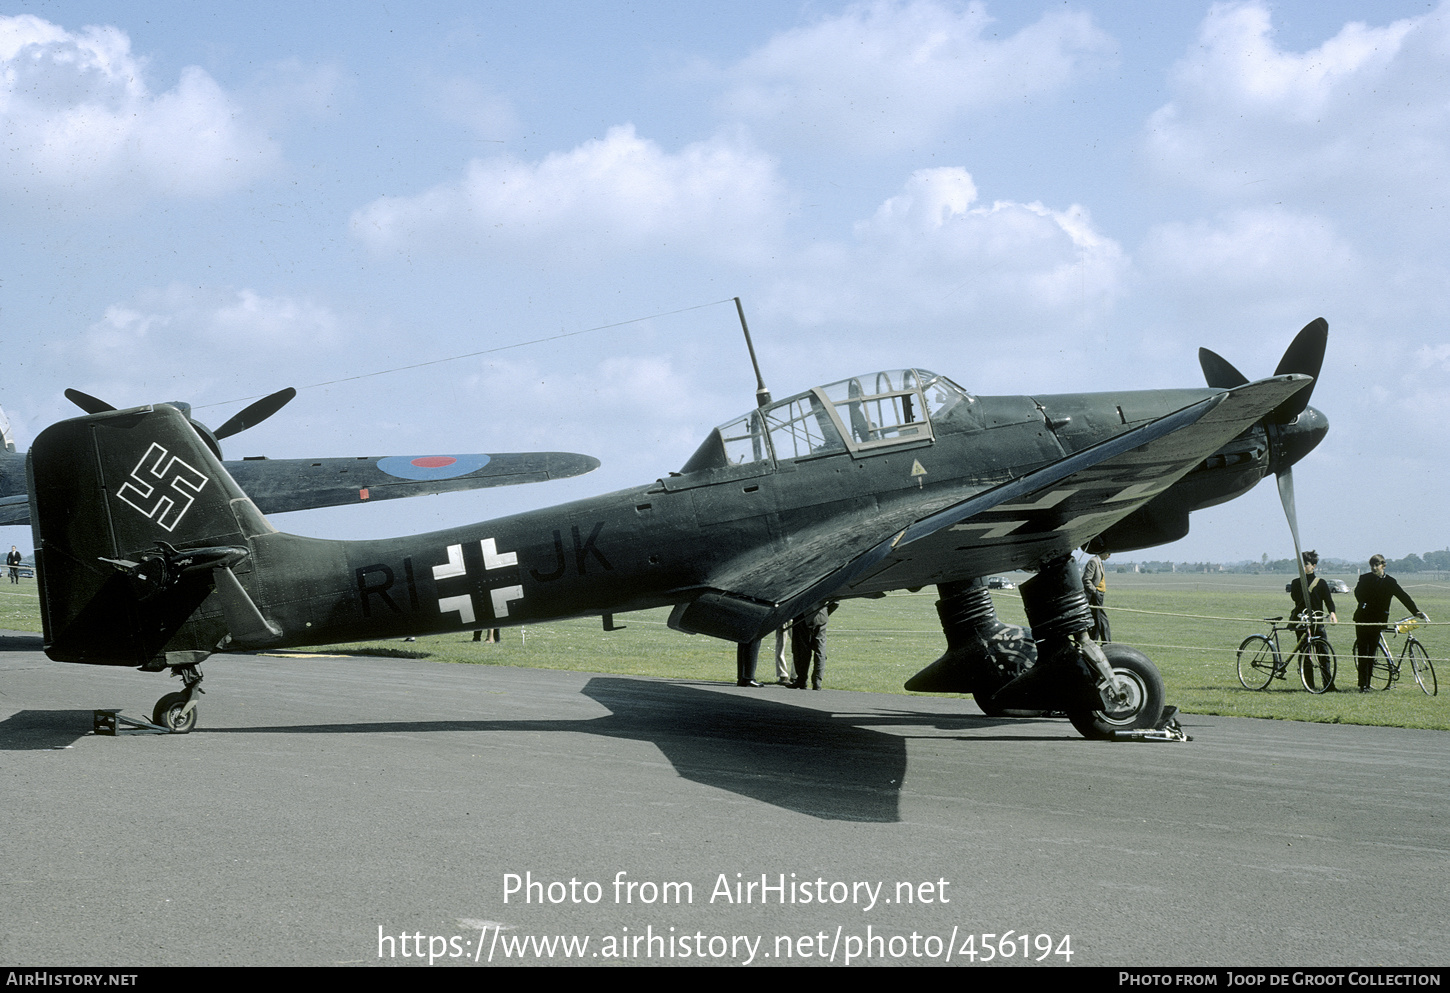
(662, 544)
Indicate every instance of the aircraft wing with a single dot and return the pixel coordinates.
(281, 485)
(1047, 512)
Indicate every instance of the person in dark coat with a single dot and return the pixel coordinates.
(746, 654)
(1320, 599)
(1373, 593)
(807, 641)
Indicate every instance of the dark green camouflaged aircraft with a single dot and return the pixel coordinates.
(151, 555)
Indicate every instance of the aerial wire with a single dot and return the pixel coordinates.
(485, 351)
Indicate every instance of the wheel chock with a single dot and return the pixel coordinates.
(1168, 729)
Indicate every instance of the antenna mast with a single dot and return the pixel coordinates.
(762, 394)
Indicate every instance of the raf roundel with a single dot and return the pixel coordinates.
(431, 466)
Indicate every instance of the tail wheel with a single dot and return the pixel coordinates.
(1256, 662)
(1144, 706)
(171, 713)
(1317, 667)
(1424, 669)
(1382, 674)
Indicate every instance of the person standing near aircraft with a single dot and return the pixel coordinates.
(13, 561)
(783, 676)
(1320, 600)
(1095, 585)
(746, 654)
(808, 640)
(1373, 593)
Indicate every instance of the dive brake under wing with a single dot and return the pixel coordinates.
(1042, 514)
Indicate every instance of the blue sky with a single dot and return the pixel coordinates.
(210, 202)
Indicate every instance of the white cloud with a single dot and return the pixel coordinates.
(77, 116)
(1364, 112)
(635, 409)
(885, 75)
(1252, 259)
(931, 252)
(719, 198)
(181, 338)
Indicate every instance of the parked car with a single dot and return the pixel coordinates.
(1000, 583)
(1335, 585)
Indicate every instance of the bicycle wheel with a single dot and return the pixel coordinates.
(1257, 662)
(1424, 668)
(1382, 673)
(1317, 666)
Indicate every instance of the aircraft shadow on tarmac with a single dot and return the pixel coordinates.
(797, 758)
(21, 641)
(43, 730)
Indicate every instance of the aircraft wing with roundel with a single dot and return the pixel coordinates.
(1044, 513)
(281, 485)
(277, 486)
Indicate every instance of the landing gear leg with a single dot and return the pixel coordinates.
(177, 711)
(982, 655)
(1103, 697)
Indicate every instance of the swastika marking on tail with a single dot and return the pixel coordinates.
(178, 484)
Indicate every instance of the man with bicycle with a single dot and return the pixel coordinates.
(1319, 599)
(1373, 592)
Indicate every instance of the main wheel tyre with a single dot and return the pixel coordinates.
(1145, 697)
(168, 714)
(1256, 662)
(1424, 669)
(1318, 666)
(1382, 674)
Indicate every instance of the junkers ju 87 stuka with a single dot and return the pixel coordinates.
(151, 555)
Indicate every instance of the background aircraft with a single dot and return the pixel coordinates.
(280, 485)
(150, 554)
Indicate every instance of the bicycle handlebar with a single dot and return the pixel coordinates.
(1409, 623)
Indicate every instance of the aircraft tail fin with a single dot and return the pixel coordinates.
(135, 522)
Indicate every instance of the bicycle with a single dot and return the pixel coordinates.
(1387, 669)
(1260, 660)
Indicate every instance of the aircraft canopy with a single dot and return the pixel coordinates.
(863, 413)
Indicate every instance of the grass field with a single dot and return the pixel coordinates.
(1190, 625)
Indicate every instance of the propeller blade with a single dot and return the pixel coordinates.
(1305, 354)
(1219, 371)
(87, 402)
(1285, 479)
(256, 413)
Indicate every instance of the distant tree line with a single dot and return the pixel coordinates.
(1438, 561)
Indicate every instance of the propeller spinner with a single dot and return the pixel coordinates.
(1293, 428)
